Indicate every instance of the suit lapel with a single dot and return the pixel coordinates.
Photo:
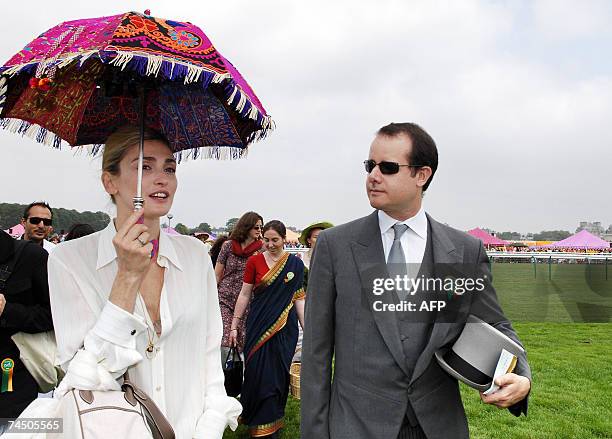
(444, 252)
(370, 261)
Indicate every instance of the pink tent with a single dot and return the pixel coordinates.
(170, 231)
(16, 231)
(486, 238)
(582, 239)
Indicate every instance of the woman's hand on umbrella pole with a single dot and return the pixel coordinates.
(133, 247)
(133, 260)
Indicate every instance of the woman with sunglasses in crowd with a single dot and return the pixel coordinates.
(275, 281)
(244, 241)
(133, 297)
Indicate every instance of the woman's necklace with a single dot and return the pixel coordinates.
(151, 349)
(278, 258)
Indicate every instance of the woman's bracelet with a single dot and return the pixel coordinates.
(233, 330)
(239, 318)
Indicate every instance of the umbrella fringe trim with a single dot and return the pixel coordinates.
(148, 65)
(212, 152)
(44, 136)
(122, 60)
(152, 65)
(3, 90)
(31, 130)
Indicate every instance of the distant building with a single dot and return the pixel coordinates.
(594, 227)
(608, 234)
(219, 231)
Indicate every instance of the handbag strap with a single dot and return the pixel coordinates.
(7, 269)
(233, 352)
(159, 425)
(229, 352)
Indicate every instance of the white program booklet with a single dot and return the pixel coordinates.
(505, 364)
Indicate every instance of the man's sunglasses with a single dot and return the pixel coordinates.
(34, 220)
(386, 168)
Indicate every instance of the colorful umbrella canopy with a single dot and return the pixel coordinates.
(82, 79)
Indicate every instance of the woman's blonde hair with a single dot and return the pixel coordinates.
(120, 142)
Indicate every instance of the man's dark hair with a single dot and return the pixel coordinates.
(26, 212)
(424, 150)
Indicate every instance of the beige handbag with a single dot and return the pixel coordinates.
(125, 413)
(37, 352)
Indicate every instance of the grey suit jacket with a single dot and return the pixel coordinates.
(372, 384)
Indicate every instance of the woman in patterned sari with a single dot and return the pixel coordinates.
(275, 280)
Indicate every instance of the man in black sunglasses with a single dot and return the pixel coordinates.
(387, 383)
(37, 221)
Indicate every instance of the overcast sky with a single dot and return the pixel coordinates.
(517, 95)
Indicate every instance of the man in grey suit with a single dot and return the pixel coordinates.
(386, 381)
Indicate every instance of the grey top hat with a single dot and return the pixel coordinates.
(473, 358)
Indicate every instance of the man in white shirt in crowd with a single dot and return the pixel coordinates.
(37, 221)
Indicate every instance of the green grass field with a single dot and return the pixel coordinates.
(577, 293)
(570, 356)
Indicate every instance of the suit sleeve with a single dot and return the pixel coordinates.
(36, 317)
(486, 306)
(318, 344)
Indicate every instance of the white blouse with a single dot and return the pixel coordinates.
(184, 377)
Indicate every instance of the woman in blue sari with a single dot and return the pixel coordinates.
(274, 280)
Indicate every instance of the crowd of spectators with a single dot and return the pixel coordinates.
(294, 245)
(544, 249)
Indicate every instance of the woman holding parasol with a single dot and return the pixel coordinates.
(158, 316)
(130, 297)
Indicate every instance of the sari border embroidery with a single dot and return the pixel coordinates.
(273, 272)
(278, 324)
(266, 429)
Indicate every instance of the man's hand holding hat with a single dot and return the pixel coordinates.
(513, 388)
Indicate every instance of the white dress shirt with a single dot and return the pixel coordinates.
(48, 245)
(184, 378)
(413, 240)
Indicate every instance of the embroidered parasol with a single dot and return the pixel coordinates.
(81, 80)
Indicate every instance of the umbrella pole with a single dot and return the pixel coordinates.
(138, 200)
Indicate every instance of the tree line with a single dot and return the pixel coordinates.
(63, 219)
(544, 235)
